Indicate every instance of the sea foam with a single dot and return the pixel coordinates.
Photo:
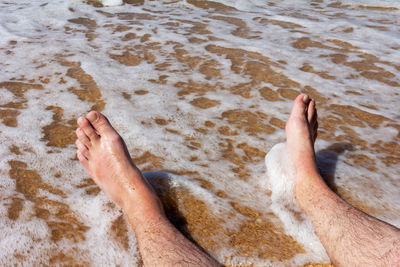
(112, 2)
(280, 179)
(250, 62)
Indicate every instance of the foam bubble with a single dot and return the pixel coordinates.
(112, 2)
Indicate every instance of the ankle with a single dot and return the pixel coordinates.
(309, 188)
(142, 205)
(129, 189)
(145, 220)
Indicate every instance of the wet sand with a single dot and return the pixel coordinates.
(214, 139)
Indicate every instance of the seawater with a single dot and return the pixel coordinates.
(201, 92)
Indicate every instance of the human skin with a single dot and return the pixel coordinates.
(350, 236)
(104, 155)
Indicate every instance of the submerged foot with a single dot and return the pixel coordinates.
(301, 133)
(103, 153)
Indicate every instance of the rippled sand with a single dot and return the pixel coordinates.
(200, 90)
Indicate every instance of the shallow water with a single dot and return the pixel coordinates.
(199, 90)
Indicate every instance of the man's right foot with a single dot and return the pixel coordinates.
(301, 133)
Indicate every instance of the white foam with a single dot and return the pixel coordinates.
(112, 2)
(280, 180)
(44, 35)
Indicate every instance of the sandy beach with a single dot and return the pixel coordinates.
(200, 91)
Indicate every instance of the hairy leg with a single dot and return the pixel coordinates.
(106, 159)
(350, 237)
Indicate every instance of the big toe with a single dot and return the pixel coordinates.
(300, 104)
(100, 123)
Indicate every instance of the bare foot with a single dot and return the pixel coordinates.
(103, 153)
(350, 237)
(301, 133)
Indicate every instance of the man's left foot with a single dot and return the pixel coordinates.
(103, 153)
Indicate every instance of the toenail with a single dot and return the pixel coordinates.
(80, 120)
(305, 99)
(93, 116)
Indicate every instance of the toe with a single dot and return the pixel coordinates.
(82, 159)
(311, 111)
(83, 138)
(100, 123)
(313, 119)
(88, 129)
(300, 105)
(82, 148)
(315, 135)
